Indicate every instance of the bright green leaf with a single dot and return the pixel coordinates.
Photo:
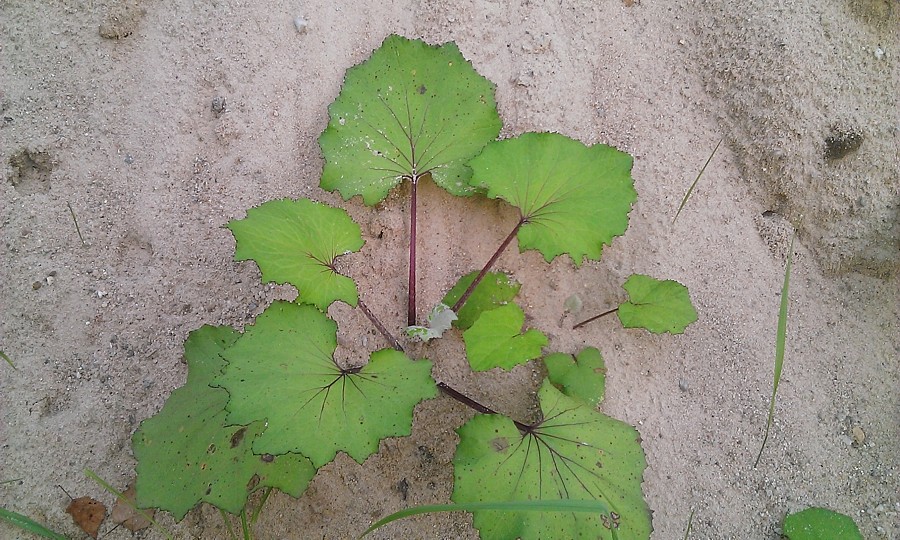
(496, 340)
(496, 289)
(283, 370)
(659, 306)
(187, 453)
(573, 198)
(575, 453)
(580, 377)
(296, 242)
(820, 524)
(410, 109)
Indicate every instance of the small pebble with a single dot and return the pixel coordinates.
(301, 24)
(879, 53)
(218, 105)
(683, 385)
(859, 436)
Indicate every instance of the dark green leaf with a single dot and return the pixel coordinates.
(580, 377)
(496, 289)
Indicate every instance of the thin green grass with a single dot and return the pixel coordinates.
(691, 189)
(8, 361)
(77, 228)
(124, 500)
(780, 337)
(29, 525)
(564, 505)
(687, 531)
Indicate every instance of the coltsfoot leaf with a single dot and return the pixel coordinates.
(410, 109)
(496, 289)
(580, 377)
(657, 305)
(496, 340)
(297, 242)
(440, 320)
(573, 198)
(282, 370)
(187, 453)
(820, 524)
(575, 453)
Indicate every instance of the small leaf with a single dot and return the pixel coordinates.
(659, 306)
(439, 321)
(297, 242)
(126, 514)
(496, 340)
(187, 453)
(88, 514)
(410, 109)
(579, 377)
(496, 289)
(575, 453)
(572, 198)
(282, 370)
(820, 524)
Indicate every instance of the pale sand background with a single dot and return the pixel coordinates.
(122, 129)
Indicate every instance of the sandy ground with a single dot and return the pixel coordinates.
(107, 109)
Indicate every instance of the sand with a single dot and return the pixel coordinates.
(157, 123)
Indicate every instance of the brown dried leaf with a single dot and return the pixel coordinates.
(126, 515)
(88, 514)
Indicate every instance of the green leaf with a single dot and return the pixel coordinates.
(572, 198)
(820, 524)
(580, 377)
(574, 453)
(496, 289)
(282, 370)
(563, 505)
(187, 453)
(296, 242)
(410, 109)
(659, 306)
(496, 340)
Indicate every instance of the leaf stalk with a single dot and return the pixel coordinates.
(487, 267)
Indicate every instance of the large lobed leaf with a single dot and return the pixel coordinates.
(657, 305)
(576, 453)
(297, 242)
(282, 370)
(573, 198)
(410, 109)
(187, 453)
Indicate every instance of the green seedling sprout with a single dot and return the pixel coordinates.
(269, 406)
(780, 337)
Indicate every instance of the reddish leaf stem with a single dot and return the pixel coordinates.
(411, 307)
(471, 403)
(465, 296)
(594, 318)
(381, 328)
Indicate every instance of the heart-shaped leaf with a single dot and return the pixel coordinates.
(575, 453)
(494, 290)
(296, 242)
(580, 377)
(572, 198)
(657, 305)
(496, 340)
(282, 370)
(410, 109)
(187, 453)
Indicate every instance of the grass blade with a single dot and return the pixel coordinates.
(780, 337)
(691, 189)
(124, 500)
(8, 361)
(511, 506)
(687, 531)
(27, 524)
